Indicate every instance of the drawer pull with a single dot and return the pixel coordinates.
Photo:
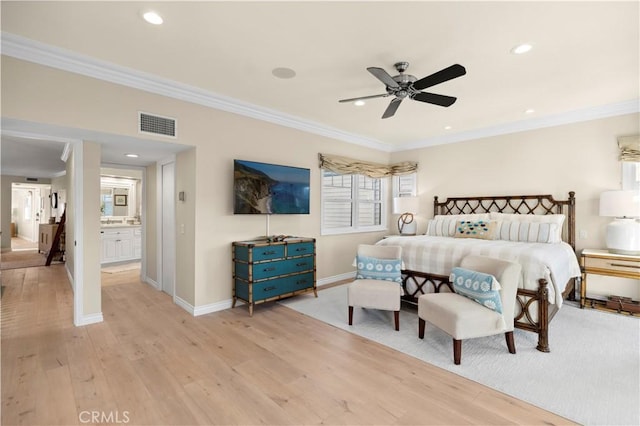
(266, 253)
(301, 249)
(269, 269)
(273, 287)
(621, 265)
(301, 282)
(302, 264)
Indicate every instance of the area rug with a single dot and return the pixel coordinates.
(591, 375)
(121, 268)
(21, 259)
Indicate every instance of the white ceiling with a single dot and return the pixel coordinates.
(584, 62)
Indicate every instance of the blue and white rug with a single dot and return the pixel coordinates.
(591, 375)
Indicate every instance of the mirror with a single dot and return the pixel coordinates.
(120, 198)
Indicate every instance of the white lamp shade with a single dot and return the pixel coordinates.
(405, 205)
(620, 204)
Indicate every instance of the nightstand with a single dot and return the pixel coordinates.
(602, 262)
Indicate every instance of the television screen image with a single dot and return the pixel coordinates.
(261, 188)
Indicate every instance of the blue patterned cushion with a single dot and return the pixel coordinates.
(481, 229)
(379, 269)
(479, 287)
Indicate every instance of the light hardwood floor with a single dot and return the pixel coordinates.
(150, 362)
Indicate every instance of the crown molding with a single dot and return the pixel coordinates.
(47, 55)
(576, 116)
(43, 54)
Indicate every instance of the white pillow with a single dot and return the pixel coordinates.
(531, 232)
(557, 219)
(445, 225)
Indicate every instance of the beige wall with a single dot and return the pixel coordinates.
(90, 204)
(150, 221)
(186, 284)
(579, 157)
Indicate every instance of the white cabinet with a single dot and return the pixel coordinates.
(120, 244)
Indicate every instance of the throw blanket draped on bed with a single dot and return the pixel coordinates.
(556, 262)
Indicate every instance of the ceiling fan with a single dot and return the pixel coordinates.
(407, 86)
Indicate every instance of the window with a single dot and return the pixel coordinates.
(352, 203)
(630, 175)
(405, 185)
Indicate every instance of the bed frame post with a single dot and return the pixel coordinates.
(572, 219)
(543, 316)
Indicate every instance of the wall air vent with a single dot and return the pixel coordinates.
(30, 179)
(156, 125)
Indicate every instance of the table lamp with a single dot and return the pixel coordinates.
(623, 233)
(406, 207)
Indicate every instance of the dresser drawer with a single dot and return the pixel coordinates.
(265, 270)
(260, 253)
(620, 266)
(271, 288)
(299, 249)
(302, 281)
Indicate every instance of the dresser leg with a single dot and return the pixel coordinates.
(250, 309)
(233, 303)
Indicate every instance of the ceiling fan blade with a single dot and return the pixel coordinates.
(364, 97)
(391, 109)
(433, 98)
(383, 76)
(441, 76)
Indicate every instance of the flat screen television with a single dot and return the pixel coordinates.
(262, 188)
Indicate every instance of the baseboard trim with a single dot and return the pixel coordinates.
(335, 278)
(184, 304)
(151, 282)
(226, 304)
(212, 307)
(90, 319)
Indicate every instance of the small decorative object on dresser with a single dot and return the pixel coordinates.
(602, 262)
(272, 269)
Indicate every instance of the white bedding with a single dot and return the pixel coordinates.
(555, 262)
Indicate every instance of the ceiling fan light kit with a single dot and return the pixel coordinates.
(404, 86)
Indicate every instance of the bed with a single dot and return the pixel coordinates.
(545, 247)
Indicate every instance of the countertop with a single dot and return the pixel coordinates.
(119, 225)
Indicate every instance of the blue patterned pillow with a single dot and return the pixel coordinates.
(481, 229)
(479, 287)
(379, 269)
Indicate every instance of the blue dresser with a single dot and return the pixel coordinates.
(264, 270)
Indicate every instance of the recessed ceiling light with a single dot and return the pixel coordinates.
(282, 72)
(152, 18)
(359, 102)
(131, 155)
(521, 48)
(529, 111)
(447, 127)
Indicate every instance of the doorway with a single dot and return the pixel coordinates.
(30, 206)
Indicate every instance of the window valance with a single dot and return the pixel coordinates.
(350, 166)
(629, 148)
